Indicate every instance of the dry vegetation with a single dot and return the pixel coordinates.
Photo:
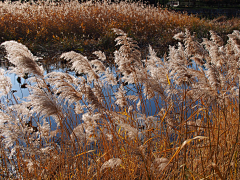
(171, 118)
(175, 117)
(55, 27)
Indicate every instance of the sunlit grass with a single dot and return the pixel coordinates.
(87, 26)
(171, 118)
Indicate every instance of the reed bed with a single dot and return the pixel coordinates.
(55, 27)
(175, 117)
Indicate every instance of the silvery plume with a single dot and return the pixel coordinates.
(22, 58)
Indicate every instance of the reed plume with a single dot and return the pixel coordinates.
(20, 56)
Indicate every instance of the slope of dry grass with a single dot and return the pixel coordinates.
(56, 27)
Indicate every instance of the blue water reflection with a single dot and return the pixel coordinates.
(151, 107)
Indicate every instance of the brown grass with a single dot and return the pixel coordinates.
(87, 26)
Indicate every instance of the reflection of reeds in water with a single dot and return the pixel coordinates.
(106, 128)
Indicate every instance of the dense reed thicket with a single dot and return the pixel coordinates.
(175, 117)
(55, 27)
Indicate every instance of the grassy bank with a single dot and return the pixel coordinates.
(56, 27)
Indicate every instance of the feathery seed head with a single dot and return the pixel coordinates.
(180, 36)
(81, 64)
(160, 164)
(216, 39)
(111, 163)
(22, 58)
(121, 97)
(5, 83)
(131, 131)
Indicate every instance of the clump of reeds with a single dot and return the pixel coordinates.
(46, 26)
(174, 117)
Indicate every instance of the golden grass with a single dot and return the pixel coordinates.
(87, 26)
